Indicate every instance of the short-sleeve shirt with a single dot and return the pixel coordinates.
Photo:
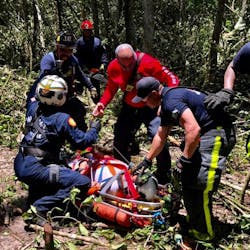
(241, 62)
(176, 100)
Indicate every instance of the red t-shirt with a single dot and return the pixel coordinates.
(119, 78)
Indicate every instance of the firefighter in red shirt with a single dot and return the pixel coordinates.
(123, 72)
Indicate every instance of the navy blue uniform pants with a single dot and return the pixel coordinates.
(51, 191)
(129, 121)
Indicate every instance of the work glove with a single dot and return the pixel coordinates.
(93, 93)
(248, 147)
(102, 67)
(96, 124)
(181, 163)
(98, 110)
(140, 169)
(219, 100)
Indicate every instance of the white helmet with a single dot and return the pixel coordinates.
(52, 90)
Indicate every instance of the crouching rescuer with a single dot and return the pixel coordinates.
(47, 129)
(209, 138)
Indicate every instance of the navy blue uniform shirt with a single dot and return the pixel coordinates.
(54, 129)
(70, 71)
(241, 62)
(176, 100)
(91, 53)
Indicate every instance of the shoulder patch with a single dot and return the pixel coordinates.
(175, 114)
(71, 122)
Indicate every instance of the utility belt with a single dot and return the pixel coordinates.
(206, 128)
(209, 127)
(39, 153)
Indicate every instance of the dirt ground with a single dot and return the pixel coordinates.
(13, 236)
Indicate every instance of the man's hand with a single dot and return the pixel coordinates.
(98, 110)
(219, 100)
(181, 163)
(93, 93)
(139, 169)
(95, 123)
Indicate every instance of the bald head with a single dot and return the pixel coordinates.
(126, 56)
(124, 49)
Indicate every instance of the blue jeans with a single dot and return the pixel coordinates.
(49, 192)
(129, 121)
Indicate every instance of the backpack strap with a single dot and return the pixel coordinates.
(132, 79)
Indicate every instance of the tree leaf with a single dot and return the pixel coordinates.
(83, 230)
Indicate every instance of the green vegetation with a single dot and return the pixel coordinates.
(195, 39)
(14, 85)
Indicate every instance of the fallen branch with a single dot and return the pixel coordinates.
(72, 236)
(148, 238)
(238, 188)
(245, 187)
(28, 245)
(174, 141)
(235, 204)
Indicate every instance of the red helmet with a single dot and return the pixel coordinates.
(87, 25)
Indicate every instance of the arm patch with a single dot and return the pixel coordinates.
(71, 122)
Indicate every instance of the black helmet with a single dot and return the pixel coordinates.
(66, 39)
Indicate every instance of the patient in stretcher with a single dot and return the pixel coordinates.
(100, 168)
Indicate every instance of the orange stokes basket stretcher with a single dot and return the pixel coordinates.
(120, 201)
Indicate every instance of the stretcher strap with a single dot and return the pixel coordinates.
(131, 186)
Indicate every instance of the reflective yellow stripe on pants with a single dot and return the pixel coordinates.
(210, 183)
(248, 147)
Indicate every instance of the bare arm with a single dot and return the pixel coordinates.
(229, 77)
(192, 133)
(158, 142)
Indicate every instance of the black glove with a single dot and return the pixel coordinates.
(93, 93)
(139, 169)
(248, 147)
(181, 163)
(219, 100)
(95, 123)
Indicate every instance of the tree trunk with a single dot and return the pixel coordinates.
(128, 16)
(106, 16)
(107, 28)
(94, 7)
(36, 29)
(39, 26)
(215, 40)
(182, 7)
(148, 26)
(240, 25)
(59, 13)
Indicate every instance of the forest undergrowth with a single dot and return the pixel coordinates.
(231, 207)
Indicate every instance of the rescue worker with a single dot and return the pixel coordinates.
(207, 142)
(47, 129)
(91, 54)
(239, 65)
(63, 63)
(123, 72)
